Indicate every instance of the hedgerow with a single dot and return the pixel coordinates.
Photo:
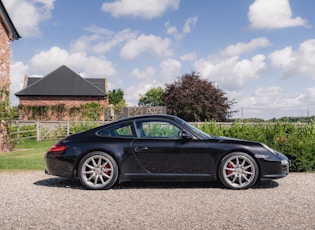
(295, 140)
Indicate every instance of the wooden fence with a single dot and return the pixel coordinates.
(43, 130)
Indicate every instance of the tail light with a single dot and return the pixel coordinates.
(57, 148)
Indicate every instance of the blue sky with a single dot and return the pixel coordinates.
(261, 53)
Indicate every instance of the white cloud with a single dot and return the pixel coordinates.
(83, 44)
(311, 95)
(145, 43)
(298, 63)
(188, 24)
(99, 43)
(242, 47)
(229, 70)
(147, 9)
(270, 102)
(132, 93)
(99, 30)
(17, 73)
(282, 58)
(309, 100)
(267, 14)
(169, 70)
(148, 73)
(231, 73)
(178, 35)
(189, 57)
(275, 97)
(27, 15)
(46, 61)
(116, 40)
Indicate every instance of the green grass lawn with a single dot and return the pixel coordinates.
(27, 155)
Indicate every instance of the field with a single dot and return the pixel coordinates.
(27, 155)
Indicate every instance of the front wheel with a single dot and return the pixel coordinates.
(238, 171)
(98, 170)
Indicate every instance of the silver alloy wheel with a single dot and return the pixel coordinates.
(238, 171)
(98, 170)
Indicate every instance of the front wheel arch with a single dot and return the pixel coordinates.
(238, 170)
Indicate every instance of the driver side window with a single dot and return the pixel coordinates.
(157, 129)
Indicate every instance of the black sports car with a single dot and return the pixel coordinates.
(161, 147)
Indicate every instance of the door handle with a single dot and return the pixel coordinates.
(140, 149)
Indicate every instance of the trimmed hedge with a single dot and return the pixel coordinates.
(295, 140)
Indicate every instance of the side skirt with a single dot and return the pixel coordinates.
(166, 177)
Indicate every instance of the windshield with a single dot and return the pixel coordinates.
(200, 133)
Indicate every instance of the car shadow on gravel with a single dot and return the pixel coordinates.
(75, 184)
(59, 182)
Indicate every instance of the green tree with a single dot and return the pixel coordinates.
(194, 99)
(117, 103)
(153, 97)
(116, 96)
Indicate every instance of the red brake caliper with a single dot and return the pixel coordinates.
(228, 172)
(107, 172)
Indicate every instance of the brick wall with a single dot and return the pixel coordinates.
(4, 57)
(4, 83)
(69, 102)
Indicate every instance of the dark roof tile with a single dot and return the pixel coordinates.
(13, 33)
(63, 82)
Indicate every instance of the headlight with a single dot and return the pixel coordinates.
(285, 162)
(269, 149)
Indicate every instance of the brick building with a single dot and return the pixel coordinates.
(8, 33)
(61, 95)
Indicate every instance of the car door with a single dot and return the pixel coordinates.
(160, 149)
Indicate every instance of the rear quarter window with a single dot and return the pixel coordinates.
(117, 131)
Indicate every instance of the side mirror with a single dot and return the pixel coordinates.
(185, 135)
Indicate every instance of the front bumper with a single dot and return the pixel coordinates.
(274, 169)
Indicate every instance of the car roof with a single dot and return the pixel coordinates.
(138, 117)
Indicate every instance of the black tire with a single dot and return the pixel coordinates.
(238, 170)
(98, 170)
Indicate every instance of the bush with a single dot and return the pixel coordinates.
(295, 140)
(82, 126)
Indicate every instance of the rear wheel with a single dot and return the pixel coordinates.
(238, 171)
(98, 170)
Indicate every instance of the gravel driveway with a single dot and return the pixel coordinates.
(33, 200)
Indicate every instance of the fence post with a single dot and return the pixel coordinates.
(37, 131)
(68, 128)
(18, 130)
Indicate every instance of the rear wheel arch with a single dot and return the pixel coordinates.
(82, 155)
(98, 169)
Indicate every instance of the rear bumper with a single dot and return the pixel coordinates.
(59, 166)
